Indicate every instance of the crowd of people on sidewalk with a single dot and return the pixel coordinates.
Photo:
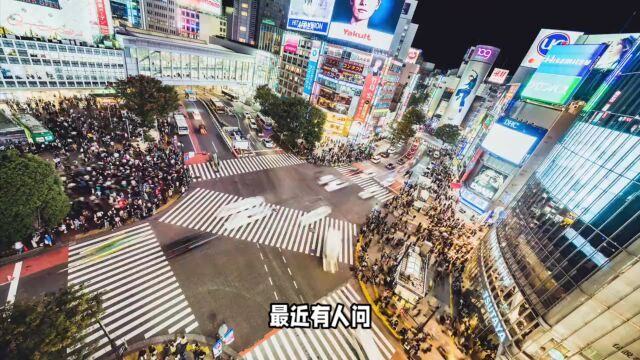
(173, 350)
(394, 227)
(334, 152)
(109, 173)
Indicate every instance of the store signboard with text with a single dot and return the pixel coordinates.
(312, 16)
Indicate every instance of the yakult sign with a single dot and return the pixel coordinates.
(545, 40)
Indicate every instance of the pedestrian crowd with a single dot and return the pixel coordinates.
(176, 349)
(393, 228)
(110, 175)
(335, 152)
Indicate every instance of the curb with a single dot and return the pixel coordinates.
(259, 342)
(205, 343)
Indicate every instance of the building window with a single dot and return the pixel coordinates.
(245, 5)
(243, 28)
(244, 13)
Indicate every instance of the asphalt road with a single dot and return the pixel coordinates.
(210, 142)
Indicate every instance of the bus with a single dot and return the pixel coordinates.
(10, 132)
(181, 124)
(230, 95)
(218, 106)
(36, 132)
(265, 124)
(190, 95)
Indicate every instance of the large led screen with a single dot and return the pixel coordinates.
(311, 16)
(367, 22)
(512, 140)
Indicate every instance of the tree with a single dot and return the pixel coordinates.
(45, 327)
(405, 128)
(269, 102)
(448, 133)
(147, 98)
(31, 195)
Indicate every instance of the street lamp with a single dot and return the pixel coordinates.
(117, 350)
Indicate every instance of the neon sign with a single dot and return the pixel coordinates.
(494, 317)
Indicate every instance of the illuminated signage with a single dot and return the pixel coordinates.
(213, 7)
(544, 42)
(311, 16)
(498, 76)
(493, 316)
(500, 265)
(370, 23)
(512, 140)
(312, 66)
(561, 72)
(412, 55)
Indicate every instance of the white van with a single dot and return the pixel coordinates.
(181, 124)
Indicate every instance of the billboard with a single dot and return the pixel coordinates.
(545, 40)
(487, 182)
(476, 70)
(618, 46)
(312, 66)
(62, 19)
(498, 76)
(412, 56)
(311, 16)
(367, 22)
(512, 140)
(560, 73)
(290, 43)
(213, 7)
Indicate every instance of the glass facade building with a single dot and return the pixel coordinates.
(26, 64)
(557, 277)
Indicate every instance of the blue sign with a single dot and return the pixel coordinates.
(556, 38)
(217, 348)
(229, 337)
(311, 74)
(318, 27)
(571, 60)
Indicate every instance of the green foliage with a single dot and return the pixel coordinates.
(448, 133)
(405, 128)
(31, 195)
(294, 118)
(147, 98)
(44, 328)
(417, 99)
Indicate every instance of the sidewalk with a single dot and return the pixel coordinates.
(158, 342)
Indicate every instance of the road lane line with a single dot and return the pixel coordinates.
(13, 288)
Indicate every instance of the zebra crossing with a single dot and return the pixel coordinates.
(280, 228)
(322, 344)
(366, 183)
(242, 165)
(141, 296)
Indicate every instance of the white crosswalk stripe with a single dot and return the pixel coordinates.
(141, 296)
(281, 228)
(204, 171)
(322, 344)
(366, 183)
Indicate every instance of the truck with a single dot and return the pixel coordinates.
(236, 138)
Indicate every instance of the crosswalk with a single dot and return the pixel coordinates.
(281, 228)
(242, 165)
(366, 183)
(141, 296)
(322, 344)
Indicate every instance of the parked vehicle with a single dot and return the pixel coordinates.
(253, 125)
(268, 143)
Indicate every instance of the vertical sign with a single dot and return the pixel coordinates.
(369, 89)
(103, 21)
(312, 66)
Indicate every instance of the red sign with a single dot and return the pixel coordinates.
(331, 61)
(103, 21)
(366, 97)
(354, 67)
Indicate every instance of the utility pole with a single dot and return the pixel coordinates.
(118, 351)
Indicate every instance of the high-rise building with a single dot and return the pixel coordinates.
(293, 65)
(273, 12)
(243, 26)
(128, 12)
(270, 38)
(557, 276)
(405, 31)
(161, 16)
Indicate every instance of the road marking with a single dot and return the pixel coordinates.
(265, 268)
(289, 270)
(285, 260)
(271, 281)
(261, 257)
(276, 295)
(301, 299)
(214, 146)
(13, 288)
(295, 284)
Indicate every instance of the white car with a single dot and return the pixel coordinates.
(393, 149)
(370, 192)
(253, 125)
(247, 114)
(268, 143)
(376, 159)
(336, 185)
(324, 180)
(368, 173)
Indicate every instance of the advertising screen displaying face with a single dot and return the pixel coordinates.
(368, 22)
(67, 19)
(487, 182)
(213, 7)
(545, 40)
(311, 16)
(561, 72)
(618, 46)
(512, 140)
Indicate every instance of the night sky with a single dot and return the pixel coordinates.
(449, 27)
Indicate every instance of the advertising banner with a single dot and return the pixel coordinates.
(487, 182)
(369, 90)
(311, 16)
(545, 40)
(213, 7)
(618, 46)
(312, 66)
(291, 43)
(77, 20)
(498, 76)
(560, 73)
(512, 140)
(367, 22)
(412, 56)
(477, 69)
